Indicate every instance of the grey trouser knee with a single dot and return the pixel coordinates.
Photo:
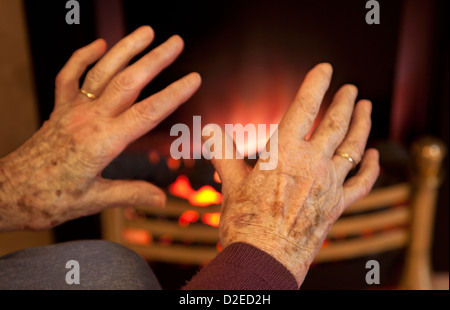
(97, 265)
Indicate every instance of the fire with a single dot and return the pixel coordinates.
(189, 216)
(173, 164)
(211, 219)
(153, 157)
(181, 187)
(137, 236)
(203, 197)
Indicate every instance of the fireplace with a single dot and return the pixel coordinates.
(252, 56)
(252, 59)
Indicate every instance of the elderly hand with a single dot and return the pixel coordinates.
(288, 211)
(55, 176)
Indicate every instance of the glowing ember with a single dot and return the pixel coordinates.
(219, 247)
(181, 187)
(173, 164)
(189, 216)
(137, 236)
(153, 157)
(166, 239)
(203, 197)
(212, 219)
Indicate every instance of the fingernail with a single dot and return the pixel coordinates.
(176, 39)
(368, 105)
(194, 78)
(327, 67)
(353, 89)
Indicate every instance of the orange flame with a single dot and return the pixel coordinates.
(188, 216)
(203, 197)
(219, 247)
(212, 219)
(137, 236)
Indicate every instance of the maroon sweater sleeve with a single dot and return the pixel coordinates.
(241, 266)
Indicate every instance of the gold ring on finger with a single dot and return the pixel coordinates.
(346, 156)
(88, 94)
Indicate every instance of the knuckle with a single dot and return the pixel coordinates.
(356, 150)
(184, 83)
(61, 79)
(172, 92)
(306, 103)
(123, 82)
(158, 53)
(79, 56)
(134, 198)
(365, 187)
(145, 112)
(151, 109)
(336, 124)
(78, 53)
(304, 99)
(95, 75)
(129, 43)
(163, 52)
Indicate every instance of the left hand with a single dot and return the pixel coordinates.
(55, 176)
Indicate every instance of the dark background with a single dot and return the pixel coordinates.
(298, 34)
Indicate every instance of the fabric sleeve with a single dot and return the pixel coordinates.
(241, 266)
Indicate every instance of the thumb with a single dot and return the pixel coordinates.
(124, 193)
(231, 168)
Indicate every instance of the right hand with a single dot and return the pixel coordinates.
(287, 212)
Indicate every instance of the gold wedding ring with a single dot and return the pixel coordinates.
(345, 155)
(88, 94)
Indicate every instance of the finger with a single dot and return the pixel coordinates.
(332, 129)
(361, 184)
(120, 193)
(125, 87)
(118, 57)
(67, 81)
(146, 114)
(299, 119)
(231, 167)
(354, 143)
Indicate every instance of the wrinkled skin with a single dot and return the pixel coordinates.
(287, 212)
(55, 175)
